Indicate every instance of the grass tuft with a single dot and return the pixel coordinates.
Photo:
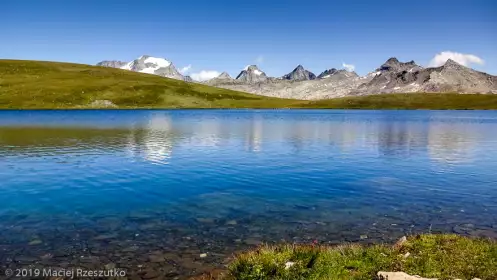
(444, 256)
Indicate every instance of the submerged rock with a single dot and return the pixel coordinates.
(205, 220)
(35, 242)
(105, 236)
(150, 273)
(463, 228)
(156, 258)
(252, 241)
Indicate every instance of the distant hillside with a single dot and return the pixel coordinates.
(392, 76)
(409, 101)
(45, 85)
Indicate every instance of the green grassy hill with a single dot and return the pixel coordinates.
(44, 85)
(52, 85)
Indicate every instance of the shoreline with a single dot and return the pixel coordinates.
(236, 109)
(434, 256)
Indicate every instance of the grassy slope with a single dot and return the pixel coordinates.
(442, 101)
(51, 85)
(39, 85)
(436, 256)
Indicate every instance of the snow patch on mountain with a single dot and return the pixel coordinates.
(151, 64)
(160, 62)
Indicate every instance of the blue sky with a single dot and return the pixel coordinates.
(227, 35)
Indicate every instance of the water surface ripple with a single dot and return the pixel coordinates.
(149, 191)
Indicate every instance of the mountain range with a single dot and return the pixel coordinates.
(392, 76)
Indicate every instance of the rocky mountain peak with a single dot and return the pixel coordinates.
(252, 74)
(112, 63)
(223, 78)
(337, 75)
(299, 74)
(394, 65)
(392, 60)
(251, 68)
(327, 73)
(224, 75)
(391, 64)
(452, 64)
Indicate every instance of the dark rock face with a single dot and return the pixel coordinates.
(337, 75)
(252, 74)
(392, 75)
(327, 73)
(394, 65)
(299, 74)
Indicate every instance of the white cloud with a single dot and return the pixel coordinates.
(259, 59)
(185, 69)
(205, 75)
(461, 58)
(348, 67)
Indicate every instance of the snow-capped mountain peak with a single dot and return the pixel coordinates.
(161, 62)
(147, 64)
(150, 65)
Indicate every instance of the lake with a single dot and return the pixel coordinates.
(152, 191)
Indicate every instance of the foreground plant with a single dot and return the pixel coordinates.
(445, 256)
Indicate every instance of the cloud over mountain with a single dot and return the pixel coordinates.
(461, 58)
(205, 75)
(185, 69)
(348, 67)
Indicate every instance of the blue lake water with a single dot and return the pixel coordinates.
(150, 190)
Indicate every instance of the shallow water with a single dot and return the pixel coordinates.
(149, 191)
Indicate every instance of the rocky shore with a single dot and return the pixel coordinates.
(149, 245)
